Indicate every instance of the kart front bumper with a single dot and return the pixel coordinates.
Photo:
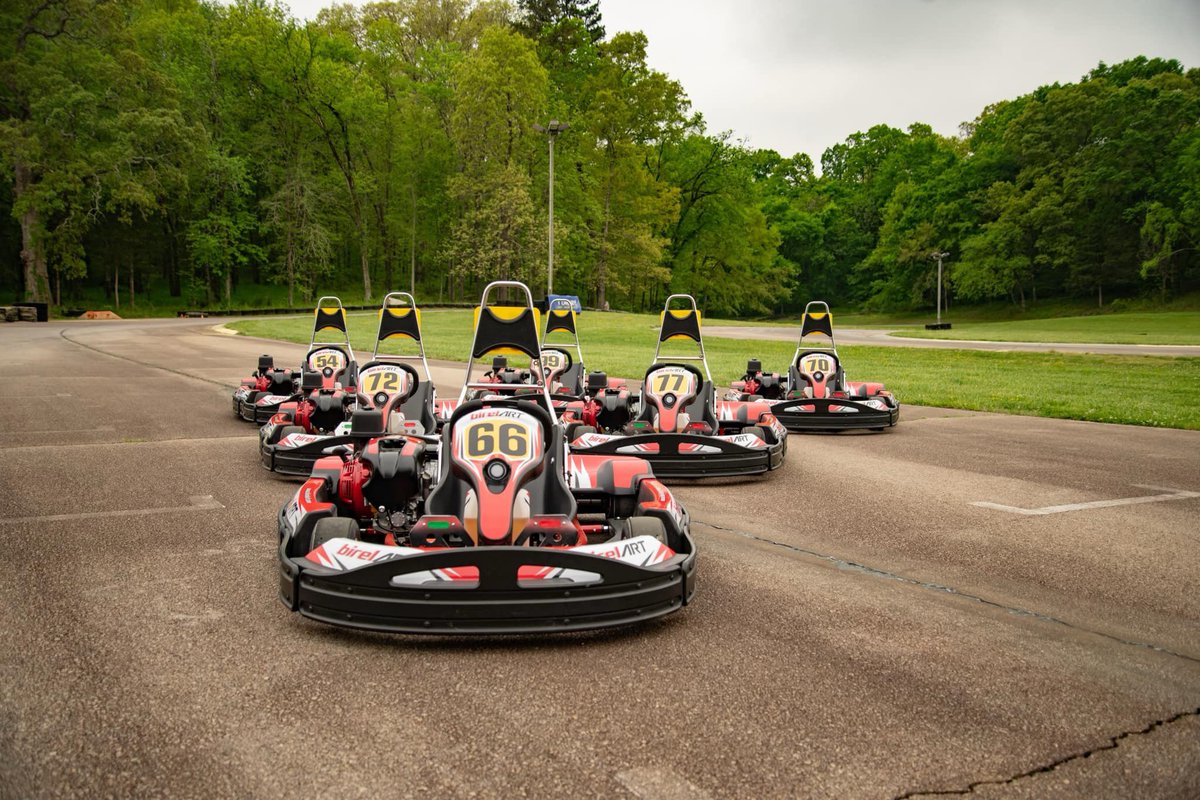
(821, 417)
(663, 452)
(256, 413)
(367, 598)
(297, 461)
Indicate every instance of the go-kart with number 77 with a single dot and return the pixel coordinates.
(680, 428)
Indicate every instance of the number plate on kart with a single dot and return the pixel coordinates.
(671, 380)
(511, 435)
(813, 363)
(319, 360)
(385, 379)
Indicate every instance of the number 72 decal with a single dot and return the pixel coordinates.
(389, 380)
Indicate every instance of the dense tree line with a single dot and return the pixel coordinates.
(198, 148)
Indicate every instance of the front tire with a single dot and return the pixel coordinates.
(332, 528)
(287, 430)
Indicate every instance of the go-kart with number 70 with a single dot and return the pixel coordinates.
(815, 395)
(491, 528)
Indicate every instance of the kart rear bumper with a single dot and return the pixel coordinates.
(822, 418)
(497, 603)
(670, 462)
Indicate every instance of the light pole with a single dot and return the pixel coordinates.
(939, 256)
(552, 129)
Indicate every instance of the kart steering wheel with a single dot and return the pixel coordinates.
(390, 400)
(564, 354)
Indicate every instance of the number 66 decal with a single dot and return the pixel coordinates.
(490, 437)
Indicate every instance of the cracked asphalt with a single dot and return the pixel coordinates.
(860, 629)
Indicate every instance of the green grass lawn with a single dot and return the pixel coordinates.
(1161, 327)
(1138, 390)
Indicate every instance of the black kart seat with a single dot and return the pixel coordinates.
(548, 490)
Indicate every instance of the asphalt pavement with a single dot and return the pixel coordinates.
(969, 603)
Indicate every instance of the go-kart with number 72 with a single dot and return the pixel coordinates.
(303, 430)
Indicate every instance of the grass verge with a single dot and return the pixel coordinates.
(1136, 390)
(1163, 327)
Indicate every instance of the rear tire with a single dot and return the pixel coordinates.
(648, 526)
(757, 430)
(332, 528)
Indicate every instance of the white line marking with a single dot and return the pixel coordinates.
(96, 429)
(198, 503)
(650, 783)
(1174, 494)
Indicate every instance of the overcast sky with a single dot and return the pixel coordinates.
(800, 75)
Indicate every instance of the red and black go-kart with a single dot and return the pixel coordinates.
(328, 365)
(493, 529)
(295, 437)
(561, 371)
(815, 395)
(267, 379)
(680, 427)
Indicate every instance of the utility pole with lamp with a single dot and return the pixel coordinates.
(552, 130)
(939, 325)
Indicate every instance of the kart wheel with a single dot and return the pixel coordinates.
(332, 528)
(757, 430)
(879, 430)
(289, 429)
(648, 526)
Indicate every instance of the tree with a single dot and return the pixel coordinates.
(501, 89)
(88, 129)
(544, 20)
(628, 113)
